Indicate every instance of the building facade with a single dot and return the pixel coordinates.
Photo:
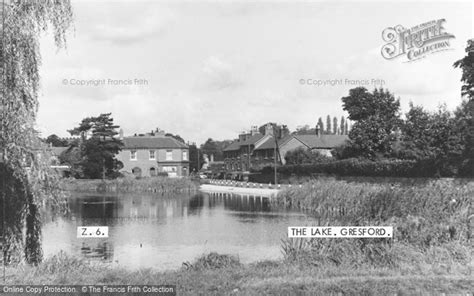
(259, 148)
(151, 155)
(254, 150)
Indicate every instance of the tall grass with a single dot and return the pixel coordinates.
(212, 261)
(434, 212)
(156, 184)
(430, 216)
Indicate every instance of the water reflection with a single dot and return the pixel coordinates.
(160, 231)
(101, 251)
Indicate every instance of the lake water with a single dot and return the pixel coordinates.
(163, 231)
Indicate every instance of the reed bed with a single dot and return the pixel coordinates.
(213, 260)
(124, 185)
(430, 220)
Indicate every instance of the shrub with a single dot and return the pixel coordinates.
(213, 261)
(365, 167)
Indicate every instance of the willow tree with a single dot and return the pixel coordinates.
(26, 182)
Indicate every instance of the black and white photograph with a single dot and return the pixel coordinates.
(236, 147)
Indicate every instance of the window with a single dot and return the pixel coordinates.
(133, 155)
(185, 155)
(152, 155)
(169, 169)
(169, 154)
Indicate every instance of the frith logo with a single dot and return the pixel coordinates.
(417, 42)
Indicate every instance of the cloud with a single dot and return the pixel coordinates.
(219, 75)
(132, 24)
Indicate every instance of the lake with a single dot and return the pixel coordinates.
(163, 231)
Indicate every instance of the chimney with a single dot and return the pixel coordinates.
(121, 134)
(284, 131)
(254, 130)
(269, 129)
(212, 158)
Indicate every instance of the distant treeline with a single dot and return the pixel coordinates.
(423, 143)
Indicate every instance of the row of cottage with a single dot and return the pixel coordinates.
(258, 148)
(154, 153)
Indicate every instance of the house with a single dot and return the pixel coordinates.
(314, 142)
(255, 149)
(150, 154)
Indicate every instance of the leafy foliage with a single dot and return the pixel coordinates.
(196, 159)
(303, 156)
(56, 141)
(213, 261)
(433, 136)
(467, 66)
(27, 182)
(94, 157)
(377, 119)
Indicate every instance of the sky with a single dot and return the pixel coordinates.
(208, 69)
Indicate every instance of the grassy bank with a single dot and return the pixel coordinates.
(425, 214)
(223, 275)
(432, 219)
(156, 184)
(431, 253)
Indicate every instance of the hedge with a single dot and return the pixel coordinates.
(364, 167)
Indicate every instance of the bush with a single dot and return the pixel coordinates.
(213, 261)
(304, 156)
(365, 167)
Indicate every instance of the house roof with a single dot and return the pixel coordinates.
(237, 144)
(268, 144)
(323, 141)
(233, 146)
(147, 142)
(252, 140)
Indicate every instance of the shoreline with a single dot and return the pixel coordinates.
(131, 185)
(229, 277)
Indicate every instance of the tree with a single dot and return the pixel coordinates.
(334, 127)
(176, 137)
(464, 122)
(431, 136)
(28, 183)
(210, 147)
(467, 66)
(328, 125)
(56, 141)
(303, 129)
(321, 125)
(376, 117)
(343, 126)
(97, 158)
(196, 159)
(465, 113)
